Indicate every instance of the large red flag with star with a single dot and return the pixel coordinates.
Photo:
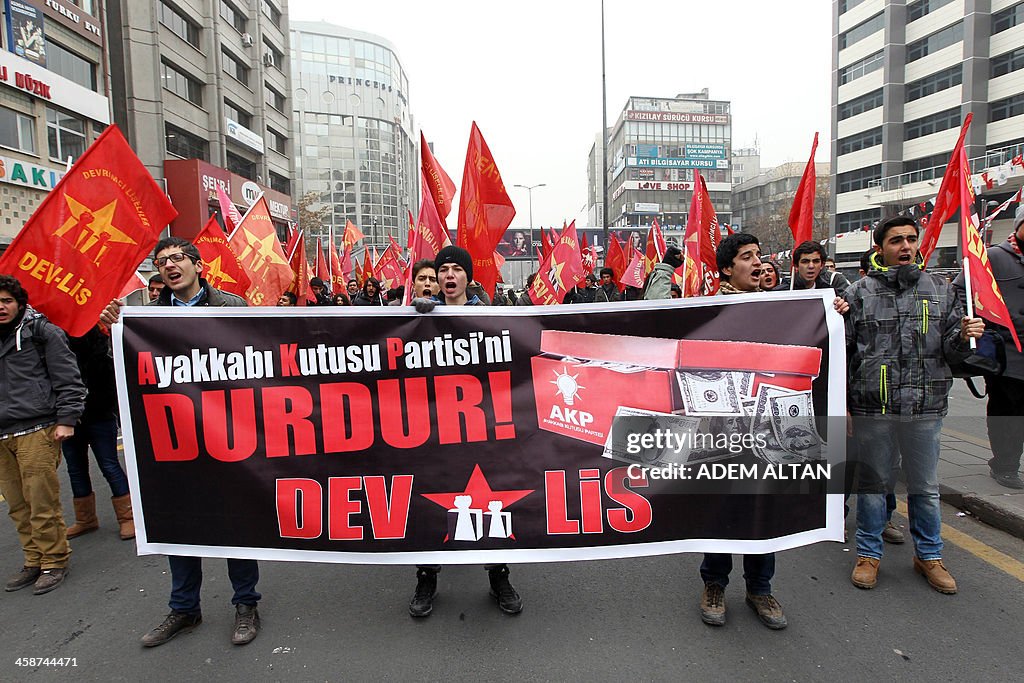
(437, 187)
(89, 234)
(222, 269)
(701, 244)
(485, 210)
(986, 297)
(561, 270)
(255, 241)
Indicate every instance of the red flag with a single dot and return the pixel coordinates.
(438, 188)
(987, 299)
(366, 272)
(948, 199)
(90, 233)
(545, 244)
(300, 266)
(589, 255)
(801, 215)
(655, 247)
(634, 275)
(321, 269)
(615, 259)
(255, 241)
(702, 235)
(135, 283)
(390, 269)
(346, 264)
(431, 234)
(561, 270)
(223, 269)
(352, 234)
(337, 269)
(228, 210)
(485, 210)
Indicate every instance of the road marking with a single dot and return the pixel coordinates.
(966, 437)
(982, 551)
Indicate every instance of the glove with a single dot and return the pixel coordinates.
(673, 257)
(423, 305)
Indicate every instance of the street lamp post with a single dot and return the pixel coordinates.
(529, 191)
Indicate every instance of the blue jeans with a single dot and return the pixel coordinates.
(102, 438)
(187, 579)
(881, 442)
(758, 571)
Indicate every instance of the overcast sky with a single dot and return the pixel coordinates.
(529, 74)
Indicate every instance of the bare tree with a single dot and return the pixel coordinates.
(312, 214)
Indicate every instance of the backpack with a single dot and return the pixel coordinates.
(987, 360)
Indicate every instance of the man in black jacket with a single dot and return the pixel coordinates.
(43, 397)
(809, 260)
(181, 266)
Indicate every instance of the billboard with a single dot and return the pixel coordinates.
(25, 31)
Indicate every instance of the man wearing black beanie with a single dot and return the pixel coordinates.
(454, 268)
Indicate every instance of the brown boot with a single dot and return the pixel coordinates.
(938, 577)
(865, 574)
(85, 516)
(123, 510)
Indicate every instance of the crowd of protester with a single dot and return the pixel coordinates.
(905, 329)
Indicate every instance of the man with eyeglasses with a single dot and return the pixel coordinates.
(181, 266)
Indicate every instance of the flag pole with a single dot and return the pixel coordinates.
(970, 297)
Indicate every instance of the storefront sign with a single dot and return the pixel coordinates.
(46, 85)
(237, 131)
(677, 162)
(677, 117)
(28, 175)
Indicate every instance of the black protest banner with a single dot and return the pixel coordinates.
(478, 434)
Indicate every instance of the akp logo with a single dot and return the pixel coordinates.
(567, 387)
(91, 231)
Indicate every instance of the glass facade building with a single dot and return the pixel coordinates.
(353, 130)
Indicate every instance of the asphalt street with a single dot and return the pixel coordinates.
(599, 620)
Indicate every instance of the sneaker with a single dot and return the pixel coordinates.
(422, 603)
(1010, 480)
(175, 623)
(247, 624)
(893, 534)
(501, 590)
(865, 574)
(769, 611)
(712, 605)
(49, 579)
(26, 577)
(938, 576)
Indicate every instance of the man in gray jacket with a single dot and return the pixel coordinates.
(904, 328)
(43, 397)
(1006, 392)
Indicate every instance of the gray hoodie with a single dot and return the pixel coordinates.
(39, 378)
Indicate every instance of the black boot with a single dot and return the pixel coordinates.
(501, 590)
(422, 603)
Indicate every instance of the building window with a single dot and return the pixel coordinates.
(241, 166)
(862, 31)
(919, 9)
(272, 13)
(859, 179)
(280, 183)
(179, 25)
(1007, 18)
(846, 5)
(185, 145)
(274, 98)
(237, 114)
(857, 220)
(233, 16)
(926, 168)
(17, 131)
(181, 85)
(935, 42)
(861, 68)
(236, 69)
(62, 61)
(933, 123)
(1005, 63)
(274, 56)
(1005, 108)
(65, 134)
(941, 80)
(859, 141)
(278, 142)
(860, 104)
